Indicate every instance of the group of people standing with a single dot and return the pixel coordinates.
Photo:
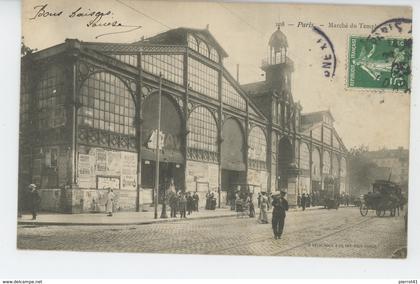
(345, 199)
(211, 200)
(183, 202)
(186, 202)
(304, 201)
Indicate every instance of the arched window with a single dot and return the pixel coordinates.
(335, 166)
(343, 167)
(304, 156)
(203, 49)
(257, 144)
(106, 104)
(192, 43)
(203, 130)
(214, 55)
(316, 164)
(283, 115)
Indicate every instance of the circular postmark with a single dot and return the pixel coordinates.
(395, 26)
(382, 60)
(329, 59)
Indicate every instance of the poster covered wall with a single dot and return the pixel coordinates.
(104, 169)
(202, 176)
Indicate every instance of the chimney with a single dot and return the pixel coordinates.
(237, 73)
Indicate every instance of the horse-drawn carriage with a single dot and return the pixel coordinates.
(331, 194)
(385, 196)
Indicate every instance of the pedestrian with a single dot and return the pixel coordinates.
(298, 200)
(263, 209)
(213, 201)
(208, 200)
(182, 205)
(259, 199)
(196, 200)
(251, 206)
(280, 206)
(190, 203)
(238, 205)
(110, 202)
(35, 200)
(232, 199)
(173, 203)
(303, 201)
(308, 200)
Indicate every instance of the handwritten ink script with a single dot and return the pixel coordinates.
(95, 18)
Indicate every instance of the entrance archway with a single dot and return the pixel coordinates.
(233, 155)
(171, 161)
(285, 158)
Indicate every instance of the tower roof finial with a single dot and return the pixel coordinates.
(278, 39)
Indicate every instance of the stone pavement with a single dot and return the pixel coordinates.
(125, 218)
(314, 233)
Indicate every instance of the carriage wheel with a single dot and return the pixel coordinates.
(363, 209)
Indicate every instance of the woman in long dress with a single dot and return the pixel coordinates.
(263, 209)
(110, 202)
(251, 206)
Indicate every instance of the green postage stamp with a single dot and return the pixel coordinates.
(379, 63)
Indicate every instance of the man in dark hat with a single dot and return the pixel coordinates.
(280, 206)
(303, 201)
(190, 203)
(35, 200)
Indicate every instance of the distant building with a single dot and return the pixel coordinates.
(392, 163)
(88, 121)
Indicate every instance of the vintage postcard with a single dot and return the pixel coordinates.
(214, 128)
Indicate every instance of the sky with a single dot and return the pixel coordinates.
(371, 118)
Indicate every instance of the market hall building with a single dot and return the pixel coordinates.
(89, 115)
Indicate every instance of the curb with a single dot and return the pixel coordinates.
(156, 221)
(149, 222)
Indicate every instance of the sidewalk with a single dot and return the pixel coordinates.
(126, 218)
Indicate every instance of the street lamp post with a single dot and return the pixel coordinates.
(163, 214)
(156, 201)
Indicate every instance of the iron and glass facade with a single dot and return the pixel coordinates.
(89, 120)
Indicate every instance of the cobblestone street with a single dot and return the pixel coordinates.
(328, 233)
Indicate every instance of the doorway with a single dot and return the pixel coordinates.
(167, 171)
(230, 178)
